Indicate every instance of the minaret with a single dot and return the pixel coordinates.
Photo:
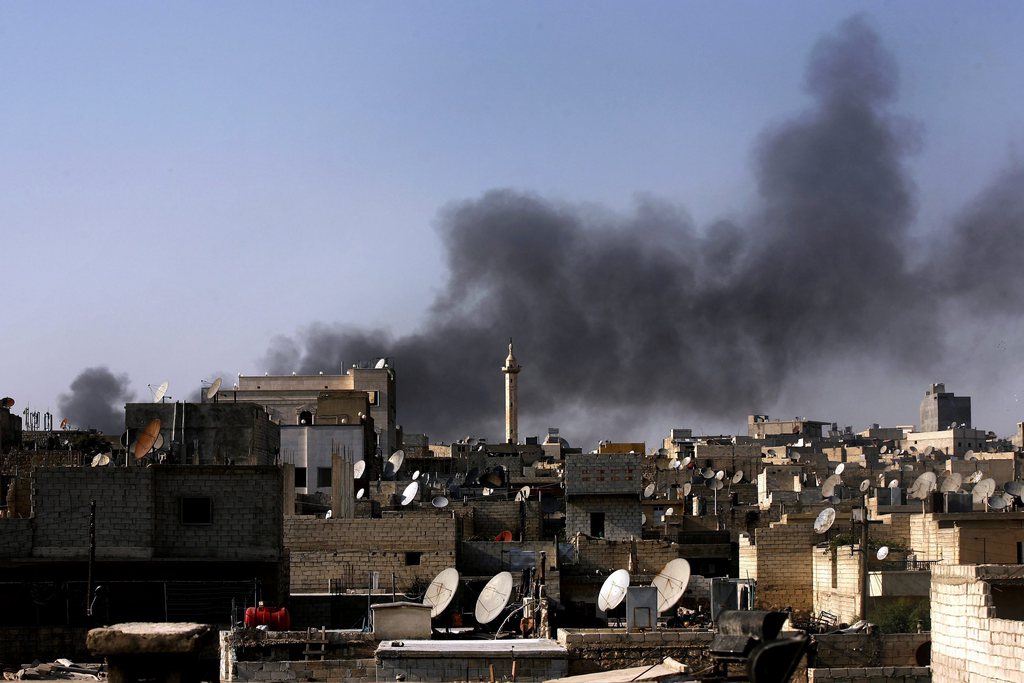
(511, 369)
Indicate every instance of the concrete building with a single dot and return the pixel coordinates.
(602, 494)
(782, 431)
(292, 399)
(941, 409)
(511, 371)
(952, 442)
(219, 433)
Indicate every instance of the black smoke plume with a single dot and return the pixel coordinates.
(616, 316)
(96, 400)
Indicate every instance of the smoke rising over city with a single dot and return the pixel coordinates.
(624, 313)
(96, 400)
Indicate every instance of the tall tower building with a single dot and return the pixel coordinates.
(511, 369)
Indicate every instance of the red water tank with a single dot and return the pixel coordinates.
(274, 619)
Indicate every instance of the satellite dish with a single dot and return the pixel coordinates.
(410, 492)
(669, 512)
(983, 489)
(883, 552)
(212, 390)
(472, 476)
(840, 467)
(101, 460)
(716, 484)
(865, 485)
(523, 494)
(415, 475)
(441, 590)
(671, 583)
(7, 402)
(159, 442)
(996, 502)
(824, 521)
(648, 490)
(360, 493)
(439, 502)
(928, 451)
(737, 477)
(394, 463)
(643, 518)
(974, 477)
(613, 591)
(380, 365)
(923, 485)
(720, 475)
(487, 491)
(687, 487)
(160, 392)
(969, 455)
(494, 478)
(146, 439)
(828, 487)
(1014, 488)
(676, 464)
(493, 598)
(913, 450)
(358, 469)
(330, 513)
(894, 484)
(883, 450)
(708, 473)
(686, 461)
(951, 483)
(771, 452)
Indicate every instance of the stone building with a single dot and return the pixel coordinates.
(941, 409)
(602, 495)
(291, 399)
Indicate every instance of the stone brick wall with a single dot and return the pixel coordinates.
(846, 650)
(888, 674)
(621, 516)
(837, 583)
(604, 649)
(15, 538)
(783, 566)
(322, 550)
(493, 517)
(971, 642)
(19, 645)
(605, 473)
(595, 554)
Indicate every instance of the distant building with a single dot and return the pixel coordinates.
(10, 430)
(941, 410)
(602, 494)
(761, 427)
(292, 399)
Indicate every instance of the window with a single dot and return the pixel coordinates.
(412, 559)
(374, 397)
(305, 418)
(597, 524)
(196, 510)
(300, 477)
(323, 477)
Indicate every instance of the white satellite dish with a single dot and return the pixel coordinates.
(359, 469)
(883, 552)
(493, 598)
(212, 390)
(643, 518)
(686, 461)
(648, 490)
(865, 485)
(441, 590)
(687, 487)
(894, 484)
(486, 491)
(720, 475)
(415, 475)
(669, 512)
(737, 476)
(828, 487)
(824, 521)
(380, 365)
(676, 464)
(983, 489)
(716, 484)
(410, 492)
(394, 463)
(440, 502)
(613, 591)
(101, 460)
(951, 483)
(330, 513)
(360, 494)
(975, 477)
(840, 467)
(523, 494)
(923, 485)
(160, 392)
(671, 583)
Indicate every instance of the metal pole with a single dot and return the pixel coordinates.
(865, 583)
(92, 557)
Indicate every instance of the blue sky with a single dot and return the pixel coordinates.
(183, 181)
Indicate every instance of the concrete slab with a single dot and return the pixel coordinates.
(140, 638)
(524, 648)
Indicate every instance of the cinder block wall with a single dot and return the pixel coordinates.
(621, 516)
(784, 568)
(837, 583)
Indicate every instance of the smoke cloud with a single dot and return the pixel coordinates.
(620, 315)
(96, 400)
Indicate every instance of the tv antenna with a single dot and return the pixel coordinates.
(214, 387)
(671, 583)
(441, 590)
(613, 591)
(493, 598)
(160, 392)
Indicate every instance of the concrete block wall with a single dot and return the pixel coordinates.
(877, 674)
(605, 555)
(490, 518)
(621, 515)
(596, 474)
(322, 550)
(784, 568)
(837, 582)
(846, 650)
(604, 649)
(15, 538)
(970, 644)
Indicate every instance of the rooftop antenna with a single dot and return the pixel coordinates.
(613, 591)
(358, 469)
(649, 490)
(160, 392)
(360, 493)
(441, 590)
(883, 552)
(824, 521)
(951, 484)
(144, 444)
(439, 502)
(212, 390)
(493, 598)
(394, 464)
(410, 492)
(523, 494)
(671, 583)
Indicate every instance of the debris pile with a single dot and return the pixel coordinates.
(59, 668)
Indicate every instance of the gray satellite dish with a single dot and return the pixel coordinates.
(983, 489)
(613, 591)
(648, 490)
(840, 467)
(737, 477)
(913, 450)
(409, 495)
(824, 521)
(716, 485)
(1014, 488)
(771, 452)
(160, 392)
(159, 443)
(359, 469)
(439, 502)
(952, 483)
(969, 455)
(865, 485)
(923, 486)
(493, 598)
(928, 451)
(671, 583)
(212, 390)
(643, 518)
(360, 493)
(441, 590)
(996, 502)
(687, 488)
(883, 552)
(100, 460)
(828, 487)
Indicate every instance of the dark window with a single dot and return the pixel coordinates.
(196, 511)
(412, 559)
(300, 477)
(1020, 552)
(305, 418)
(374, 397)
(597, 524)
(323, 477)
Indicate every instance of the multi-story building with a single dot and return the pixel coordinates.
(942, 410)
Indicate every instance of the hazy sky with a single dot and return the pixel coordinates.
(184, 181)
